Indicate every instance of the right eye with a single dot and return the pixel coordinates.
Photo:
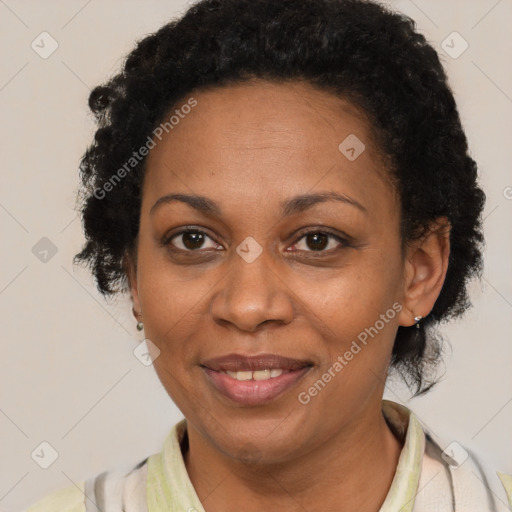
(190, 240)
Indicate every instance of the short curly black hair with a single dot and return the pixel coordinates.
(356, 49)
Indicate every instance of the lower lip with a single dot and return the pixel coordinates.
(254, 392)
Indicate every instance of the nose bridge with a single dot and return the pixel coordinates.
(252, 292)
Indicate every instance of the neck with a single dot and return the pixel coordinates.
(352, 470)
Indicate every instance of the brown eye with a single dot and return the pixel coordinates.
(190, 240)
(317, 241)
(320, 241)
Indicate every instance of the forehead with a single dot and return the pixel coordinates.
(263, 135)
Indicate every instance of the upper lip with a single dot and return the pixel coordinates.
(238, 362)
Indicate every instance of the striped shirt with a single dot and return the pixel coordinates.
(427, 479)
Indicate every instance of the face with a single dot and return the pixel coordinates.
(288, 270)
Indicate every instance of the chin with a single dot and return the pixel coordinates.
(270, 440)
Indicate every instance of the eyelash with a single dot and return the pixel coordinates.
(344, 242)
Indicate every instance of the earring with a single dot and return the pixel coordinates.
(140, 325)
(417, 320)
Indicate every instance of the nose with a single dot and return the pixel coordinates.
(252, 294)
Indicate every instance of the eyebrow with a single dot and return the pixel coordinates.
(294, 205)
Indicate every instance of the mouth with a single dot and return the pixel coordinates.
(254, 380)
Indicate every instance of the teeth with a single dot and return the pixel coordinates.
(256, 375)
(261, 375)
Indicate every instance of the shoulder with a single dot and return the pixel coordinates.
(68, 499)
(437, 474)
(462, 477)
(121, 488)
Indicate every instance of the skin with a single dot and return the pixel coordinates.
(248, 147)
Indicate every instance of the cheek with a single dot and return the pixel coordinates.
(352, 297)
(357, 312)
(356, 368)
(168, 299)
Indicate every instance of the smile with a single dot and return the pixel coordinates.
(254, 380)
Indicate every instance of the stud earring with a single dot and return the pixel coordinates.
(140, 325)
(417, 320)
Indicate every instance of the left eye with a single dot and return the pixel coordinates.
(191, 240)
(318, 241)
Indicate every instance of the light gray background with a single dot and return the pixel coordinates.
(69, 376)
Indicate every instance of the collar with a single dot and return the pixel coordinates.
(404, 487)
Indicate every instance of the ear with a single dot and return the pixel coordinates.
(130, 268)
(426, 263)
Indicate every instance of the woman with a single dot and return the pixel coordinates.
(285, 190)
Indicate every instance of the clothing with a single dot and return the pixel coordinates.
(426, 479)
